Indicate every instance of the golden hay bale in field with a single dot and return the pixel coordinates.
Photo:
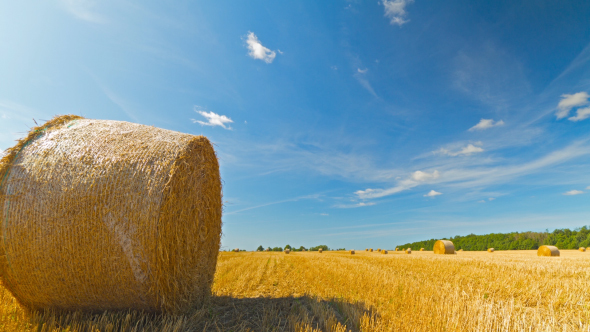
(367, 249)
(371, 250)
(384, 252)
(237, 250)
(548, 251)
(109, 215)
(408, 251)
(491, 249)
(320, 250)
(421, 249)
(379, 250)
(582, 249)
(396, 249)
(444, 247)
(352, 252)
(287, 251)
(460, 250)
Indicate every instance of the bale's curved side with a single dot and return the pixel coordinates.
(111, 215)
(548, 251)
(444, 247)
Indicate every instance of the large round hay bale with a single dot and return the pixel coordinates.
(287, 251)
(396, 249)
(108, 215)
(320, 250)
(444, 247)
(548, 251)
(352, 252)
(371, 250)
(384, 252)
(582, 249)
(491, 249)
(409, 251)
(421, 249)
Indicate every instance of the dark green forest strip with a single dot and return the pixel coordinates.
(561, 238)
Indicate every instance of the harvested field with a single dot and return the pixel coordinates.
(336, 291)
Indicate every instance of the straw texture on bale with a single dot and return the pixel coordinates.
(582, 249)
(109, 215)
(444, 247)
(491, 249)
(548, 251)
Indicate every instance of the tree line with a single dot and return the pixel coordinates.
(561, 238)
(301, 248)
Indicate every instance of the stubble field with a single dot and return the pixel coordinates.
(336, 291)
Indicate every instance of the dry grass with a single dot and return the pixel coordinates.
(336, 291)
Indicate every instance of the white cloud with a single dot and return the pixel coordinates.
(482, 201)
(350, 206)
(466, 151)
(485, 124)
(568, 102)
(82, 10)
(432, 193)
(491, 199)
(424, 176)
(324, 214)
(213, 119)
(588, 188)
(395, 10)
(582, 114)
(573, 192)
(362, 71)
(257, 51)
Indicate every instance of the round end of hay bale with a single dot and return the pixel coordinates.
(444, 247)
(129, 216)
(548, 251)
(491, 249)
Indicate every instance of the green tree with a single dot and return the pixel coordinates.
(260, 248)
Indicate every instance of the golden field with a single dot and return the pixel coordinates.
(368, 291)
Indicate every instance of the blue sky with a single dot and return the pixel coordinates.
(349, 123)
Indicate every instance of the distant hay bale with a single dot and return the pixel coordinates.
(396, 249)
(109, 215)
(444, 247)
(421, 249)
(352, 252)
(409, 251)
(287, 251)
(460, 250)
(367, 249)
(267, 249)
(320, 250)
(371, 250)
(236, 250)
(548, 251)
(379, 250)
(384, 252)
(582, 249)
(491, 249)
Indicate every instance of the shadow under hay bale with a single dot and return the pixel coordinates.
(548, 251)
(444, 247)
(109, 215)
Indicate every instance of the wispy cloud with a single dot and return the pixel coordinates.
(355, 205)
(568, 102)
(414, 180)
(83, 10)
(573, 192)
(213, 119)
(257, 50)
(432, 193)
(395, 10)
(362, 71)
(486, 124)
(466, 151)
(581, 114)
(425, 176)
(361, 78)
